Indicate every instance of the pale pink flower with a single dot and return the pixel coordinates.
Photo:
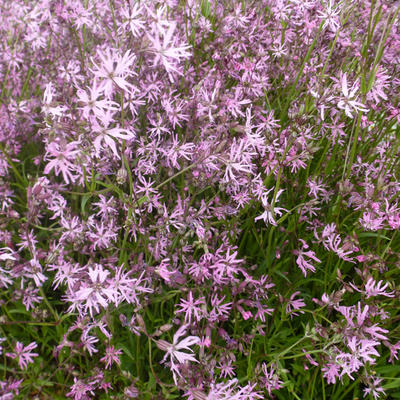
(107, 135)
(270, 212)
(48, 106)
(174, 351)
(362, 351)
(294, 305)
(394, 349)
(80, 389)
(131, 18)
(331, 371)
(330, 16)
(6, 254)
(370, 221)
(95, 292)
(348, 101)
(92, 104)
(87, 342)
(279, 50)
(1, 341)
(373, 288)
(114, 69)
(166, 52)
(34, 271)
(238, 162)
(360, 322)
(61, 157)
(374, 387)
(316, 187)
(226, 368)
(30, 296)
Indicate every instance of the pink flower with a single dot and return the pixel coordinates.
(294, 305)
(238, 162)
(315, 187)
(393, 351)
(270, 379)
(373, 288)
(360, 325)
(301, 261)
(232, 391)
(23, 354)
(102, 235)
(1, 341)
(6, 254)
(331, 371)
(331, 16)
(88, 341)
(34, 271)
(374, 388)
(371, 222)
(192, 308)
(111, 356)
(362, 351)
(80, 389)
(48, 107)
(226, 368)
(131, 18)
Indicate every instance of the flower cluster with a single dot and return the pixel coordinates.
(201, 196)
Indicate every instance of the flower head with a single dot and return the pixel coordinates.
(174, 353)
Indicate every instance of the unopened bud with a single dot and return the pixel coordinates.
(141, 323)
(122, 175)
(131, 392)
(163, 345)
(165, 328)
(162, 329)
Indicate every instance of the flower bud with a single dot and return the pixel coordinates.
(163, 345)
(122, 176)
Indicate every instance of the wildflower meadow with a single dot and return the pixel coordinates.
(199, 199)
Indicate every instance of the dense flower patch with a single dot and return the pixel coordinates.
(199, 199)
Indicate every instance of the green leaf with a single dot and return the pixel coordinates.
(372, 234)
(127, 352)
(205, 8)
(85, 199)
(395, 383)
